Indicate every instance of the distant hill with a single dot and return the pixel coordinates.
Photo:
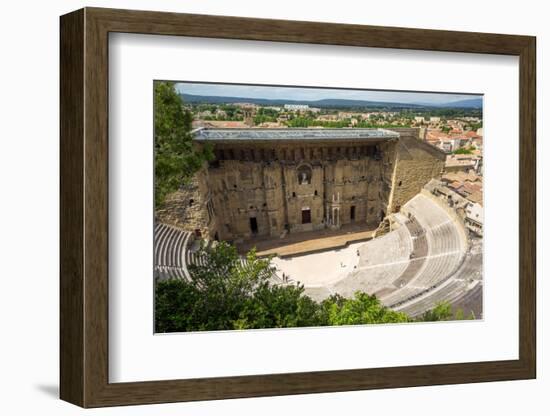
(327, 102)
(471, 103)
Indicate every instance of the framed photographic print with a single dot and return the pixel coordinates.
(255, 207)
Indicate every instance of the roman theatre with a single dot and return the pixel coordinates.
(340, 210)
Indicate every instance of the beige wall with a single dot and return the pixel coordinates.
(416, 162)
(264, 182)
(268, 187)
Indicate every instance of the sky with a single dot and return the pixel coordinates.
(312, 94)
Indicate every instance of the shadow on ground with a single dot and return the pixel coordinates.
(51, 390)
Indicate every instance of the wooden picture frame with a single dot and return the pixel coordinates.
(84, 207)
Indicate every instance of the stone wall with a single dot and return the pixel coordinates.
(188, 207)
(416, 162)
(269, 189)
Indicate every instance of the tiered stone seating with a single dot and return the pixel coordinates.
(446, 245)
(461, 287)
(428, 213)
(471, 301)
(175, 250)
(319, 293)
(472, 266)
(414, 266)
(446, 292)
(418, 255)
(169, 252)
(389, 248)
(381, 260)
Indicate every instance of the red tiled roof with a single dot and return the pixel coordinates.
(471, 187)
(476, 197)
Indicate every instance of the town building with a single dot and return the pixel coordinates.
(463, 163)
(471, 213)
(297, 107)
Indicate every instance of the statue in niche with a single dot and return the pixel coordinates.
(304, 175)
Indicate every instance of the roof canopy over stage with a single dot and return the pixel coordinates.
(292, 134)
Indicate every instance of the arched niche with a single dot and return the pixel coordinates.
(304, 173)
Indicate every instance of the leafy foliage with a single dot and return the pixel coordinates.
(310, 122)
(278, 307)
(362, 309)
(441, 312)
(177, 306)
(176, 158)
(475, 126)
(464, 151)
(262, 118)
(225, 293)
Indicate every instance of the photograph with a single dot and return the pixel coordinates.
(281, 206)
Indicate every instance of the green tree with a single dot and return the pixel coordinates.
(226, 293)
(177, 306)
(475, 126)
(225, 283)
(441, 312)
(177, 159)
(279, 307)
(362, 309)
(262, 118)
(464, 151)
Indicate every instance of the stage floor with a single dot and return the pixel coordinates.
(309, 242)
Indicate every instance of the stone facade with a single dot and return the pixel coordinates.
(267, 188)
(416, 163)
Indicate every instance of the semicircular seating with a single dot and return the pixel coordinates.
(463, 289)
(171, 244)
(421, 262)
(175, 249)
